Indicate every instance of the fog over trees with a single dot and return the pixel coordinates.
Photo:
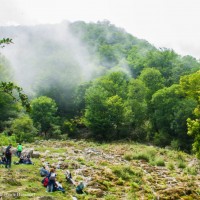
(94, 80)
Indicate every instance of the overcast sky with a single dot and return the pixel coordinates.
(164, 23)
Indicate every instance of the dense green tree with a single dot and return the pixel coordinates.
(108, 113)
(170, 112)
(194, 129)
(43, 113)
(8, 109)
(190, 85)
(23, 128)
(153, 80)
(165, 61)
(137, 92)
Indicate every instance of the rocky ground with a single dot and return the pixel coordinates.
(115, 171)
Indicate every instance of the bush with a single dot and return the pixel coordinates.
(161, 139)
(127, 173)
(192, 170)
(181, 164)
(23, 128)
(128, 156)
(171, 166)
(142, 156)
(175, 144)
(6, 140)
(160, 162)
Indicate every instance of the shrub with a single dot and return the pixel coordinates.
(181, 156)
(160, 162)
(126, 173)
(181, 164)
(142, 156)
(6, 140)
(171, 166)
(175, 144)
(128, 156)
(192, 170)
(23, 128)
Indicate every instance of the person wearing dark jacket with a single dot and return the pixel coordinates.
(8, 155)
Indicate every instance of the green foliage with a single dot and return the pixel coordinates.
(22, 127)
(171, 166)
(192, 170)
(170, 111)
(137, 93)
(107, 111)
(5, 41)
(153, 80)
(71, 126)
(181, 164)
(43, 113)
(127, 173)
(142, 156)
(5, 140)
(10, 88)
(152, 106)
(175, 144)
(190, 85)
(8, 109)
(159, 161)
(165, 61)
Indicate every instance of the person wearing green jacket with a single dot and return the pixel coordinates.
(19, 150)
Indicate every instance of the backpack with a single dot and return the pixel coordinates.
(52, 177)
(45, 181)
(8, 152)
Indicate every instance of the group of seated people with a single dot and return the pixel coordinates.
(24, 160)
(52, 185)
(50, 179)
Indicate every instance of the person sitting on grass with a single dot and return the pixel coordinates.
(58, 187)
(44, 171)
(68, 177)
(27, 160)
(79, 188)
(24, 160)
(3, 160)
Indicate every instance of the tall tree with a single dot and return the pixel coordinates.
(170, 112)
(108, 113)
(43, 113)
(190, 85)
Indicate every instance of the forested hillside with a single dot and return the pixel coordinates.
(95, 80)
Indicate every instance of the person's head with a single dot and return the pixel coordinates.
(52, 170)
(20, 144)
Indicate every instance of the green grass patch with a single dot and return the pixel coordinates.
(171, 166)
(181, 164)
(160, 161)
